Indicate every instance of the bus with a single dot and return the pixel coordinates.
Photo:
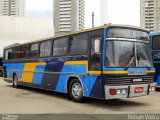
(155, 45)
(106, 62)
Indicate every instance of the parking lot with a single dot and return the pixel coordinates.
(33, 101)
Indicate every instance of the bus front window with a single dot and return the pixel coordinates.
(128, 54)
(128, 51)
(120, 54)
(143, 55)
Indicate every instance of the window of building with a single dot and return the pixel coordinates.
(45, 48)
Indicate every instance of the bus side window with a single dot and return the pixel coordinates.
(156, 43)
(8, 54)
(60, 46)
(45, 48)
(33, 50)
(78, 44)
(96, 53)
(15, 52)
(73, 45)
(24, 52)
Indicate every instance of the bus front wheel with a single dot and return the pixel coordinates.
(76, 91)
(15, 81)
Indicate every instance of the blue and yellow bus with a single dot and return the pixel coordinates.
(107, 62)
(155, 44)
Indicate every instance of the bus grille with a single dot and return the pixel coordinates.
(129, 80)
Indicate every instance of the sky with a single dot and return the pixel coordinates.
(119, 11)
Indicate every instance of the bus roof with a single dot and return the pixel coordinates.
(91, 29)
(155, 33)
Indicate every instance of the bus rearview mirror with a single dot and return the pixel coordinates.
(97, 46)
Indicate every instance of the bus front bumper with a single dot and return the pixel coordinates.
(129, 91)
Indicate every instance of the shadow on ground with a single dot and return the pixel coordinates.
(114, 104)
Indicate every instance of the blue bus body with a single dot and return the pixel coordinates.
(156, 54)
(54, 73)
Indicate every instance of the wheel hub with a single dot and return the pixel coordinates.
(77, 90)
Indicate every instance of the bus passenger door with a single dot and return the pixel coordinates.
(95, 57)
(95, 67)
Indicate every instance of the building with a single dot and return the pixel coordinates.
(69, 16)
(103, 12)
(21, 29)
(12, 7)
(150, 14)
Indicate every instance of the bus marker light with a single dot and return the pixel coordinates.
(113, 91)
(83, 76)
(124, 91)
(118, 92)
(152, 88)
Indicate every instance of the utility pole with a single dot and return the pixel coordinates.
(92, 19)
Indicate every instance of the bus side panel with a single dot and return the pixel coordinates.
(92, 84)
(96, 87)
(74, 68)
(52, 74)
(30, 70)
(57, 72)
(69, 71)
(157, 74)
(156, 62)
(37, 78)
(12, 68)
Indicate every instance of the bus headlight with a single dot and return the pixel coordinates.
(118, 92)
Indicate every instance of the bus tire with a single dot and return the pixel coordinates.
(15, 81)
(76, 91)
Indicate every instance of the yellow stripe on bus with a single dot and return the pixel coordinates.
(28, 71)
(8, 79)
(100, 72)
(95, 72)
(76, 62)
(84, 62)
(151, 71)
(115, 72)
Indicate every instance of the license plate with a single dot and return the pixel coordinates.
(137, 73)
(139, 90)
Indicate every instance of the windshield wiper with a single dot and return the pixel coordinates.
(144, 62)
(131, 62)
(140, 58)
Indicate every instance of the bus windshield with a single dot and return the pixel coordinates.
(124, 52)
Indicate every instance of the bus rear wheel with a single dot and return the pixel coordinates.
(76, 91)
(15, 81)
